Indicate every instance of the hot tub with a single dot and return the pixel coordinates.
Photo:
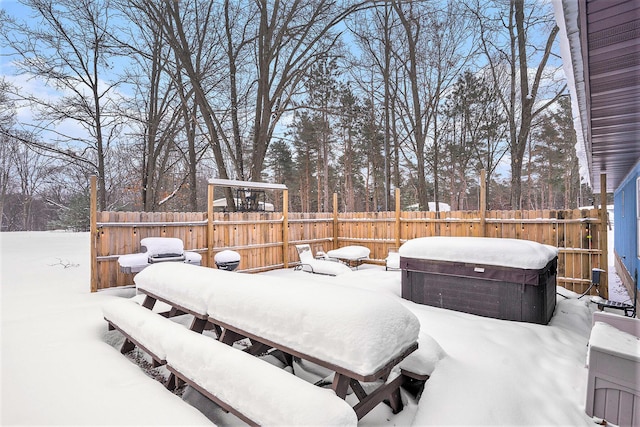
(506, 279)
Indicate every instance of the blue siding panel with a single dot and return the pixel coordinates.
(626, 220)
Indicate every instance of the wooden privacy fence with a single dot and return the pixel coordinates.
(267, 241)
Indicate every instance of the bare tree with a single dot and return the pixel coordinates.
(509, 46)
(69, 50)
(7, 118)
(437, 51)
(162, 111)
(32, 168)
(475, 132)
(374, 31)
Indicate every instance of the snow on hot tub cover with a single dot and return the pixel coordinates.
(514, 253)
(356, 329)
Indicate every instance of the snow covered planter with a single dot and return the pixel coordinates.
(506, 279)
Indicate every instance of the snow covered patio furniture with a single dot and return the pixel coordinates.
(613, 385)
(392, 261)
(319, 266)
(227, 260)
(506, 279)
(353, 255)
(239, 383)
(360, 335)
(154, 250)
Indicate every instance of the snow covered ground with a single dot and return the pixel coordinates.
(61, 366)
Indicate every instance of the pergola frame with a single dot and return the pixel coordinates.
(232, 183)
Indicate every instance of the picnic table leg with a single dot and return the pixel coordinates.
(257, 348)
(340, 385)
(148, 302)
(390, 391)
(197, 325)
(127, 346)
(229, 337)
(395, 401)
(173, 382)
(173, 312)
(358, 390)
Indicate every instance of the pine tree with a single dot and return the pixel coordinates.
(555, 159)
(280, 163)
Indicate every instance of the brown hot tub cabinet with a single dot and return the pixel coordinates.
(524, 289)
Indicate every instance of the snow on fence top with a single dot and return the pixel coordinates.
(513, 253)
(246, 184)
(352, 328)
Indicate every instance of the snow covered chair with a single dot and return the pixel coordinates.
(157, 249)
(319, 266)
(392, 261)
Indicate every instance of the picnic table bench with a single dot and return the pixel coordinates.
(236, 381)
(361, 336)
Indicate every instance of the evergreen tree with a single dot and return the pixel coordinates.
(475, 133)
(350, 113)
(305, 143)
(372, 135)
(322, 92)
(555, 160)
(280, 163)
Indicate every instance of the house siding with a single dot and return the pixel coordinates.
(627, 219)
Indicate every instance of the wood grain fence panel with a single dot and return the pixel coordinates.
(258, 236)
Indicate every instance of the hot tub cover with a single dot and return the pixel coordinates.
(515, 253)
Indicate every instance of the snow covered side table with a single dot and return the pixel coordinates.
(613, 385)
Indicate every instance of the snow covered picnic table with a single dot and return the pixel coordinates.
(360, 335)
(352, 255)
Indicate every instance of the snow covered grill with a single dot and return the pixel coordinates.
(227, 260)
(506, 279)
(155, 250)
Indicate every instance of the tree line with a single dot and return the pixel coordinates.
(326, 96)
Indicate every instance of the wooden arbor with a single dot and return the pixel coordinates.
(247, 185)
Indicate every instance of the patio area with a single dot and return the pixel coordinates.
(58, 356)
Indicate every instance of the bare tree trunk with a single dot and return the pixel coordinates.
(386, 76)
(416, 117)
(528, 97)
(233, 89)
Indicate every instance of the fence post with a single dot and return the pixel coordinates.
(483, 203)
(398, 213)
(335, 220)
(285, 228)
(93, 228)
(210, 193)
(604, 254)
